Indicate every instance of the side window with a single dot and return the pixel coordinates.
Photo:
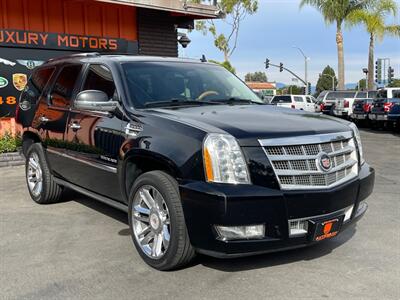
(298, 99)
(36, 84)
(64, 86)
(99, 78)
(396, 94)
(309, 100)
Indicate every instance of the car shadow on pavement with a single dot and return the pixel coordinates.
(277, 258)
(231, 264)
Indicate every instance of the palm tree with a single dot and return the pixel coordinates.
(337, 11)
(373, 20)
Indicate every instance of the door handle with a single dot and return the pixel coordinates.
(74, 126)
(43, 119)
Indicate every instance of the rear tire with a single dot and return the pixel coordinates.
(162, 220)
(41, 185)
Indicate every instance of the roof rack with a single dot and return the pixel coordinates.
(89, 54)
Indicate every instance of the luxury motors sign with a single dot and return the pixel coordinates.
(61, 41)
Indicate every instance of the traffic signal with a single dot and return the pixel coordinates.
(378, 71)
(309, 88)
(267, 63)
(281, 67)
(390, 74)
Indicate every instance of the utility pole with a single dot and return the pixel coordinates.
(305, 66)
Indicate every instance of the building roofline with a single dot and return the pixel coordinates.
(177, 6)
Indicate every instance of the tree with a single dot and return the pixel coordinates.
(294, 90)
(256, 77)
(395, 83)
(235, 12)
(373, 20)
(226, 64)
(325, 81)
(361, 85)
(337, 11)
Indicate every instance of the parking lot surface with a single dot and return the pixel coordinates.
(81, 249)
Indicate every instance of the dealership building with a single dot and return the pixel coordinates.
(32, 32)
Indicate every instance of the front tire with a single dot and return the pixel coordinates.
(41, 185)
(157, 222)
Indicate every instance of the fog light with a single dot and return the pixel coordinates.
(347, 213)
(298, 227)
(226, 233)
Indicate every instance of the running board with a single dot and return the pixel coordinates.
(93, 195)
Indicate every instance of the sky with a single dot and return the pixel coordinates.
(278, 26)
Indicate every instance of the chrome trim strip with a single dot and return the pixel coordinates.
(87, 162)
(307, 139)
(292, 187)
(346, 150)
(90, 194)
(347, 164)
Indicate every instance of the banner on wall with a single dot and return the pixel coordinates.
(22, 51)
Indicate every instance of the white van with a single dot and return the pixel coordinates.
(300, 102)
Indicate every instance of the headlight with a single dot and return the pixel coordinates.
(223, 160)
(358, 140)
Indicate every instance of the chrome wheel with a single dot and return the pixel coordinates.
(151, 221)
(34, 175)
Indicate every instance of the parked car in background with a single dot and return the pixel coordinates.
(361, 109)
(388, 93)
(300, 102)
(339, 103)
(385, 111)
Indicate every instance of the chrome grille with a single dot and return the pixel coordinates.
(296, 161)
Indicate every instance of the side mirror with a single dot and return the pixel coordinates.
(94, 100)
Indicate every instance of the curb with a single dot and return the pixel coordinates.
(11, 159)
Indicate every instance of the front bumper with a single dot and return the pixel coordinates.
(206, 205)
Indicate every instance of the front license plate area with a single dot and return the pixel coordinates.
(327, 228)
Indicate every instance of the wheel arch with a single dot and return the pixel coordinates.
(29, 138)
(138, 162)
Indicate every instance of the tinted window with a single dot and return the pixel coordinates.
(362, 95)
(381, 94)
(37, 82)
(150, 82)
(64, 85)
(40, 78)
(396, 94)
(372, 94)
(298, 99)
(281, 99)
(340, 95)
(100, 78)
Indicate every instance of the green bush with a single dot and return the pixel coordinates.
(9, 143)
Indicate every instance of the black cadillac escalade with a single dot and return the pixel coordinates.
(192, 154)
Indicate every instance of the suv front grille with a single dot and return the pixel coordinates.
(297, 162)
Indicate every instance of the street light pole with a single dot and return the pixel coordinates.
(333, 80)
(306, 67)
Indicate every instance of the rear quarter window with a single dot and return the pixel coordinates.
(281, 99)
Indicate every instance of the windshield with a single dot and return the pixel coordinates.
(281, 99)
(340, 95)
(182, 83)
(322, 95)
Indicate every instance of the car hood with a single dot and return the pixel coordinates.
(249, 123)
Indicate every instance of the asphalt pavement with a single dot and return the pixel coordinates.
(81, 249)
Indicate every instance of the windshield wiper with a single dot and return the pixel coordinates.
(177, 102)
(234, 100)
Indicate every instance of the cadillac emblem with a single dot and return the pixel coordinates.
(324, 162)
(19, 81)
